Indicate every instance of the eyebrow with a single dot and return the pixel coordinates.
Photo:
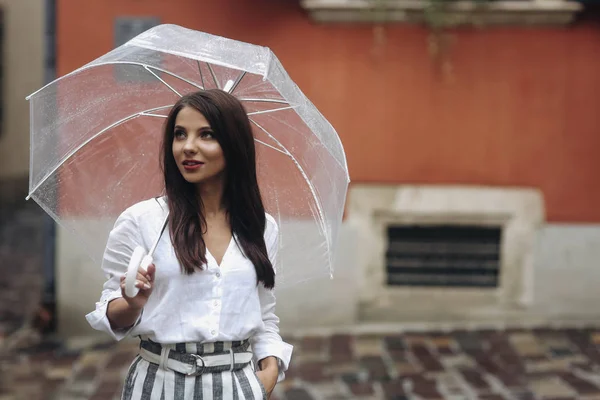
(204, 128)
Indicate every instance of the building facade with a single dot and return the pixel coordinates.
(501, 131)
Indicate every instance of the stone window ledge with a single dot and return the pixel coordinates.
(461, 12)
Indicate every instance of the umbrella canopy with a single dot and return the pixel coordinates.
(96, 133)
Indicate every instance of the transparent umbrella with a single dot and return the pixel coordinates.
(96, 132)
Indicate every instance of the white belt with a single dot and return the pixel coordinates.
(200, 364)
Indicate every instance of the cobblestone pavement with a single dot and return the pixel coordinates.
(489, 365)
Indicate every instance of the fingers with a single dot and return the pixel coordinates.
(144, 279)
(123, 287)
(142, 286)
(142, 282)
(150, 272)
(147, 274)
(138, 284)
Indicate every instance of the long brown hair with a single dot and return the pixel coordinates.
(241, 195)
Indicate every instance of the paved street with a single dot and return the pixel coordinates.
(487, 365)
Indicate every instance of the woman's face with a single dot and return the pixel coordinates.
(197, 153)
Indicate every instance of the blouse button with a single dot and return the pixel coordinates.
(213, 332)
(218, 274)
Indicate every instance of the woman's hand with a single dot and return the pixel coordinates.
(269, 371)
(144, 282)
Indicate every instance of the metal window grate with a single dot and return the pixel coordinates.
(443, 255)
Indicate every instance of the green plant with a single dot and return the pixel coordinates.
(438, 17)
(378, 11)
(438, 14)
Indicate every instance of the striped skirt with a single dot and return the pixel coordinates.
(147, 381)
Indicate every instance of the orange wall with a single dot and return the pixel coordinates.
(522, 109)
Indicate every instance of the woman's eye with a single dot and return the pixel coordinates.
(207, 135)
(179, 134)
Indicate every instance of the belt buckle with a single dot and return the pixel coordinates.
(199, 369)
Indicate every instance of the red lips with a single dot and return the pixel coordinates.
(191, 165)
(192, 162)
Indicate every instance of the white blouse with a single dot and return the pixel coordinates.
(218, 303)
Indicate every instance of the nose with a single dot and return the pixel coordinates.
(190, 147)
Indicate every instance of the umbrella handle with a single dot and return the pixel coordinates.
(139, 261)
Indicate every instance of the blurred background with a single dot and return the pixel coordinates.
(468, 259)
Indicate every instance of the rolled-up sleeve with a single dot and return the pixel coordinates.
(122, 240)
(268, 342)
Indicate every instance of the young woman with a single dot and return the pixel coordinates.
(205, 309)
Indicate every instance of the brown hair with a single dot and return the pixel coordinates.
(241, 196)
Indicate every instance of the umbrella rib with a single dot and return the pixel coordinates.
(273, 147)
(249, 114)
(264, 100)
(154, 115)
(147, 68)
(175, 76)
(270, 111)
(85, 67)
(201, 75)
(312, 189)
(237, 82)
(213, 76)
(119, 122)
